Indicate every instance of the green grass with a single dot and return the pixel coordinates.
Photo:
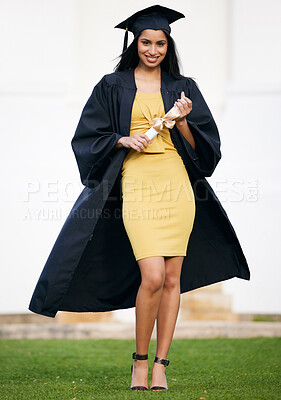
(263, 318)
(100, 369)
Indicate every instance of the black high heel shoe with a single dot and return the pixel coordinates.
(139, 357)
(164, 362)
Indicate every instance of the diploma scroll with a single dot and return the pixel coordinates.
(167, 120)
(151, 133)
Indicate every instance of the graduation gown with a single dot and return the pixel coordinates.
(91, 266)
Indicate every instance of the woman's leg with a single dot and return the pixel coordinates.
(147, 305)
(167, 316)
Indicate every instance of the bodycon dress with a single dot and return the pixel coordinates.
(158, 206)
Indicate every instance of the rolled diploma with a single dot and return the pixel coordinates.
(151, 133)
(167, 120)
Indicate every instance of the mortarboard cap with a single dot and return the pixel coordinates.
(154, 17)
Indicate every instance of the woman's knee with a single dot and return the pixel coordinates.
(153, 282)
(172, 281)
(173, 268)
(152, 273)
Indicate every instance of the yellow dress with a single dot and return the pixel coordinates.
(158, 201)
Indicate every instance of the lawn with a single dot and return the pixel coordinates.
(100, 369)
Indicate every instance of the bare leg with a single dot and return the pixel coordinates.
(147, 306)
(167, 316)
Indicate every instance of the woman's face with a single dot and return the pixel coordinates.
(152, 47)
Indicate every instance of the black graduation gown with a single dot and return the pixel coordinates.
(91, 266)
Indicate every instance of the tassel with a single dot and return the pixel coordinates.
(125, 41)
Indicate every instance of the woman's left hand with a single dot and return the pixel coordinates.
(184, 105)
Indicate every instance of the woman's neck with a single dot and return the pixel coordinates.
(143, 72)
(147, 79)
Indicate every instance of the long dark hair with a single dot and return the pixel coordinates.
(129, 59)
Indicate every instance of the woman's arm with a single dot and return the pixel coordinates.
(94, 139)
(184, 105)
(206, 153)
(119, 144)
(186, 132)
(138, 141)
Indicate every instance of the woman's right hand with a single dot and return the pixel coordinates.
(138, 141)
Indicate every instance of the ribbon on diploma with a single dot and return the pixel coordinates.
(167, 120)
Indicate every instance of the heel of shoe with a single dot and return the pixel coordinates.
(166, 363)
(139, 357)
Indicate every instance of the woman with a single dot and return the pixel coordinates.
(159, 244)
(101, 261)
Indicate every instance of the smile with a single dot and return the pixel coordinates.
(152, 59)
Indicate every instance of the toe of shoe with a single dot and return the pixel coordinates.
(139, 388)
(158, 388)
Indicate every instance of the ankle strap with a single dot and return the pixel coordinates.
(162, 361)
(140, 357)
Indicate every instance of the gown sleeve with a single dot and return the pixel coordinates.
(207, 152)
(94, 140)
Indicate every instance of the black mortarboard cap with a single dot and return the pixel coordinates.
(154, 17)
